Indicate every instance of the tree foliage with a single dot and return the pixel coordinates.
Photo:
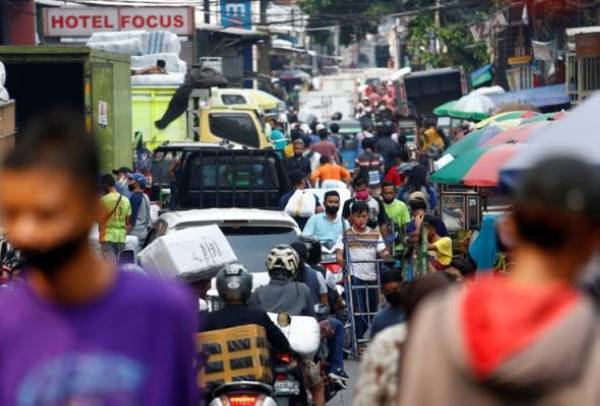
(360, 17)
(455, 40)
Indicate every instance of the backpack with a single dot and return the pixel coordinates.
(373, 176)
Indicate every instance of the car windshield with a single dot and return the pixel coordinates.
(252, 244)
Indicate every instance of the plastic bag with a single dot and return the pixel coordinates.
(301, 204)
(131, 46)
(303, 333)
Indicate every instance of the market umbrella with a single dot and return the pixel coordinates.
(442, 111)
(509, 115)
(574, 135)
(477, 137)
(478, 167)
(520, 134)
(476, 105)
(266, 100)
(546, 117)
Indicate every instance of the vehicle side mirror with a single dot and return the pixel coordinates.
(126, 257)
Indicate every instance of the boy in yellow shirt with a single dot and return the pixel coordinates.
(439, 248)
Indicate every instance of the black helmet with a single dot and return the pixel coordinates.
(334, 128)
(337, 116)
(313, 248)
(234, 282)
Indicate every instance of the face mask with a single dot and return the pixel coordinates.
(131, 188)
(50, 261)
(331, 209)
(394, 298)
(389, 201)
(362, 195)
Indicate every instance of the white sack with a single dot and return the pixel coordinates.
(301, 204)
(303, 334)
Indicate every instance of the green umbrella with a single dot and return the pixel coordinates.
(442, 111)
(478, 167)
(467, 115)
(454, 172)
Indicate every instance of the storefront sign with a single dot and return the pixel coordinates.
(519, 60)
(82, 22)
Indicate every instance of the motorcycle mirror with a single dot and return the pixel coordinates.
(126, 257)
(283, 319)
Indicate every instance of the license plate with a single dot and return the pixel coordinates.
(287, 388)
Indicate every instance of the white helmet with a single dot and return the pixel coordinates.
(283, 257)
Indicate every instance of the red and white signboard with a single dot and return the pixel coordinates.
(82, 22)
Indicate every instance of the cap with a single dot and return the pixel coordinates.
(417, 196)
(121, 169)
(139, 178)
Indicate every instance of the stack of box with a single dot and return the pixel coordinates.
(234, 354)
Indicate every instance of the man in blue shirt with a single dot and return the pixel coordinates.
(391, 287)
(327, 227)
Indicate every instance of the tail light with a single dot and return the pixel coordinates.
(284, 358)
(243, 400)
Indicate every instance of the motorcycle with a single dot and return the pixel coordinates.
(288, 385)
(303, 334)
(243, 393)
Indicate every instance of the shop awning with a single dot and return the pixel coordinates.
(545, 96)
(482, 76)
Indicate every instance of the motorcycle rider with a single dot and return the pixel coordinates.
(335, 343)
(234, 284)
(309, 276)
(327, 227)
(283, 293)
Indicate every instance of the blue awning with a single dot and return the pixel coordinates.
(544, 96)
(482, 76)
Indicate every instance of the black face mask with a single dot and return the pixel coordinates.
(332, 209)
(52, 260)
(394, 298)
(131, 188)
(388, 202)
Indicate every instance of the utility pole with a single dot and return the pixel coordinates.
(438, 23)
(264, 49)
(206, 11)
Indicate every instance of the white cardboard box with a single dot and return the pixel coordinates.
(197, 252)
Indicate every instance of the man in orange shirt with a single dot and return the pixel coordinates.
(329, 171)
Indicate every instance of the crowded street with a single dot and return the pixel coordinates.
(299, 202)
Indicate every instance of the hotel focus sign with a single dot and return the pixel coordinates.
(82, 22)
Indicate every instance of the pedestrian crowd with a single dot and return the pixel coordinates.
(79, 329)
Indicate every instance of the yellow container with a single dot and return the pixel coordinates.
(148, 105)
(234, 354)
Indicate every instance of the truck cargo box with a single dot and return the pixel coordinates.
(93, 82)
